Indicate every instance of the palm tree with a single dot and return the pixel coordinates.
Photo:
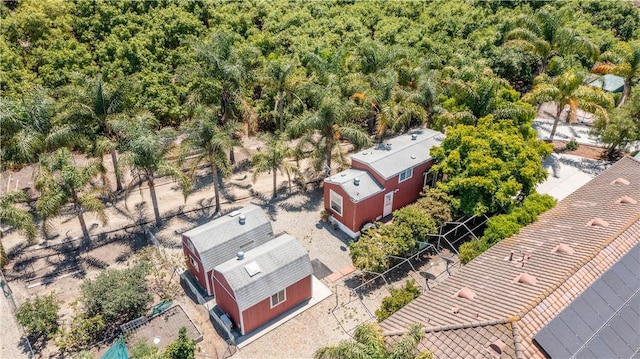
(398, 112)
(60, 182)
(27, 129)
(368, 343)
(569, 89)
(279, 73)
(146, 153)
(547, 35)
(91, 105)
(623, 60)
(274, 158)
(18, 218)
(218, 80)
(205, 134)
(325, 128)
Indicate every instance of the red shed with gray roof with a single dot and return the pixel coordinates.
(211, 244)
(381, 179)
(494, 306)
(262, 283)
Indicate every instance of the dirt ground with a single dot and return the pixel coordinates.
(586, 151)
(57, 264)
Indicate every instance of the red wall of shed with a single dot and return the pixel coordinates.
(262, 312)
(198, 273)
(225, 299)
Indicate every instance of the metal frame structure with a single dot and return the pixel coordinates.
(423, 247)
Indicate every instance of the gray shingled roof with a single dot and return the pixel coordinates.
(222, 238)
(404, 152)
(367, 187)
(283, 261)
(560, 277)
(603, 322)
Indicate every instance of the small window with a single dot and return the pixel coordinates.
(405, 175)
(278, 298)
(194, 263)
(336, 202)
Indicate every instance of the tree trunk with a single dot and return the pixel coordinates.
(3, 255)
(154, 201)
(83, 224)
(114, 160)
(555, 122)
(281, 110)
(328, 154)
(275, 189)
(216, 189)
(625, 92)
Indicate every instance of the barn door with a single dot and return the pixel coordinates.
(388, 204)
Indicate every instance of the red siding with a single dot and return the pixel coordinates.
(199, 272)
(262, 312)
(367, 211)
(225, 299)
(356, 215)
(409, 190)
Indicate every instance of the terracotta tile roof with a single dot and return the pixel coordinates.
(560, 277)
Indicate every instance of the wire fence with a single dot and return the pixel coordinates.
(450, 236)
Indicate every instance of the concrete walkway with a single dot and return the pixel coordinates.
(11, 337)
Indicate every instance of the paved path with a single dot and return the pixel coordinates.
(10, 338)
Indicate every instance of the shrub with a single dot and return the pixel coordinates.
(506, 225)
(572, 145)
(39, 315)
(182, 348)
(82, 332)
(499, 227)
(437, 205)
(142, 350)
(416, 220)
(398, 299)
(118, 295)
(368, 253)
(470, 250)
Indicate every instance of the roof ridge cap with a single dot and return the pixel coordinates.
(440, 328)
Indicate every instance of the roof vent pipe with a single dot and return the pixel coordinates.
(356, 181)
(414, 136)
(242, 219)
(240, 255)
(388, 146)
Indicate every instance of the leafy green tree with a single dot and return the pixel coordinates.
(547, 34)
(205, 134)
(368, 343)
(39, 316)
(398, 299)
(418, 221)
(622, 60)
(90, 105)
(146, 152)
(182, 348)
(60, 182)
(623, 127)
(569, 89)
(20, 219)
(275, 157)
(488, 166)
(325, 128)
(118, 296)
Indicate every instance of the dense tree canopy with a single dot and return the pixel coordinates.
(332, 75)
